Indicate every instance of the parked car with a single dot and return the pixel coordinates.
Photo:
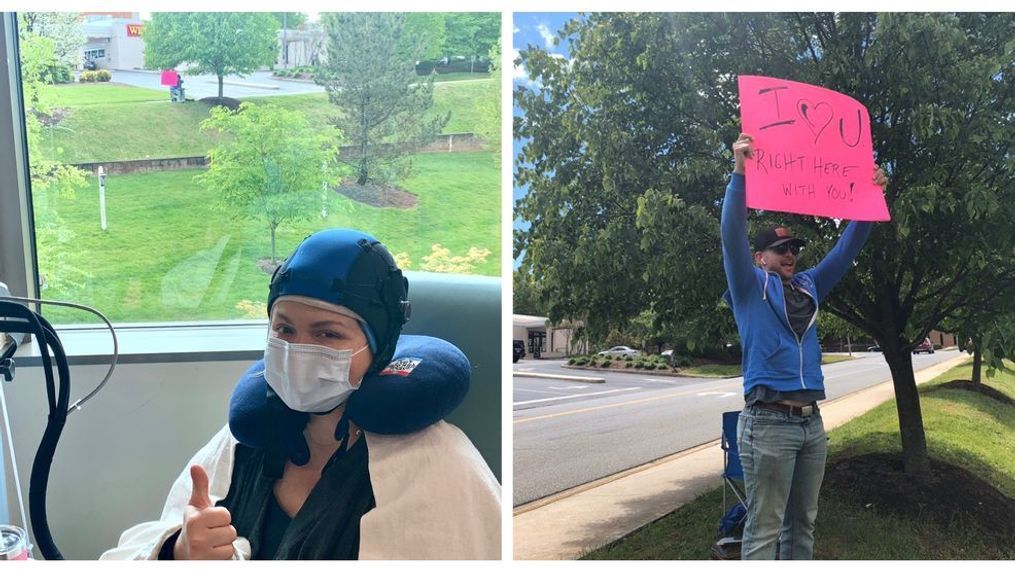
(924, 347)
(621, 350)
(874, 349)
(519, 350)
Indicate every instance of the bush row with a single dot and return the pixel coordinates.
(649, 363)
(88, 76)
(295, 71)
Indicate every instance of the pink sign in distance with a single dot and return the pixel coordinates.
(812, 151)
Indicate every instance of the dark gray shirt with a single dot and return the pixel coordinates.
(800, 310)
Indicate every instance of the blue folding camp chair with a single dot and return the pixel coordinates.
(731, 524)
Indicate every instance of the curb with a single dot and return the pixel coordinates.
(595, 380)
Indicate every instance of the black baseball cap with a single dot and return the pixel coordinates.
(773, 236)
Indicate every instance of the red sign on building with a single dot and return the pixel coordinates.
(134, 30)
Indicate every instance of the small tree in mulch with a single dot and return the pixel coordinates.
(273, 168)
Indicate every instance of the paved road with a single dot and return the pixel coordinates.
(568, 433)
(259, 83)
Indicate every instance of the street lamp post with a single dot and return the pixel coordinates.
(102, 196)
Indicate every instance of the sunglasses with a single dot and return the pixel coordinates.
(781, 249)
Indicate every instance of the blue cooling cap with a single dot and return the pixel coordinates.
(350, 268)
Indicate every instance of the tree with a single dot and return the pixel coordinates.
(220, 43)
(525, 299)
(989, 332)
(60, 27)
(472, 34)
(488, 123)
(49, 178)
(272, 167)
(627, 156)
(384, 106)
(430, 30)
(289, 20)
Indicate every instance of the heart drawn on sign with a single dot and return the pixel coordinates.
(816, 116)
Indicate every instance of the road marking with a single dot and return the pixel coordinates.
(535, 391)
(720, 395)
(661, 381)
(571, 387)
(576, 396)
(601, 407)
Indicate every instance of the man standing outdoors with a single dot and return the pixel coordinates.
(780, 433)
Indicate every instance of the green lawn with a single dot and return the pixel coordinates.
(964, 428)
(461, 76)
(171, 254)
(110, 122)
(84, 94)
(715, 370)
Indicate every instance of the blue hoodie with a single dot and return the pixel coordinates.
(773, 354)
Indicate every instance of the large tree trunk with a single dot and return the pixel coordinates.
(220, 85)
(907, 403)
(977, 362)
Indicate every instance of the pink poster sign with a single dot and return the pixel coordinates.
(812, 151)
(170, 77)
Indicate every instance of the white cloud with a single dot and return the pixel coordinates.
(519, 71)
(546, 34)
(516, 30)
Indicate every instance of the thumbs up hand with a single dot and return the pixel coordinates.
(206, 533)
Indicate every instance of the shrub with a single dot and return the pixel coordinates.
(639, 365)
(606, 364)
(87, 76)
(103, 75)
(571, 361)
(628, 365)
(628, 358)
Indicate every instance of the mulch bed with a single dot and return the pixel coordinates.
(268, 266)
(228, 102)
(968, 385)
(950, 495)
(377, 194)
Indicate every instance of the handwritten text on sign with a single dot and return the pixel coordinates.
(812, 151)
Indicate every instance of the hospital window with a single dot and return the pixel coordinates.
(128, 219)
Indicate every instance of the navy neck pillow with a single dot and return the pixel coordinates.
(426, 379)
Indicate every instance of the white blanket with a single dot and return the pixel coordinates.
(435, 499)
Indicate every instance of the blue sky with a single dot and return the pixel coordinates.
(534, 29)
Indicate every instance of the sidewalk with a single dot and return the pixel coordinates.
(571, 523)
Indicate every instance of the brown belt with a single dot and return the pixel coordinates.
(806, 410)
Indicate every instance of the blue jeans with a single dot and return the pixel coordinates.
(784, 462)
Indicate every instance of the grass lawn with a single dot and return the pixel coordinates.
(110, 122)
(172, 253)
(461, 76)
(964, 428)
(84, 94)
(734, 370)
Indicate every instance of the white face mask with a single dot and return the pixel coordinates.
(308, 378)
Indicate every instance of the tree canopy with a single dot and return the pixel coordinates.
(220, 43)
(627, 153)
(471, 34)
